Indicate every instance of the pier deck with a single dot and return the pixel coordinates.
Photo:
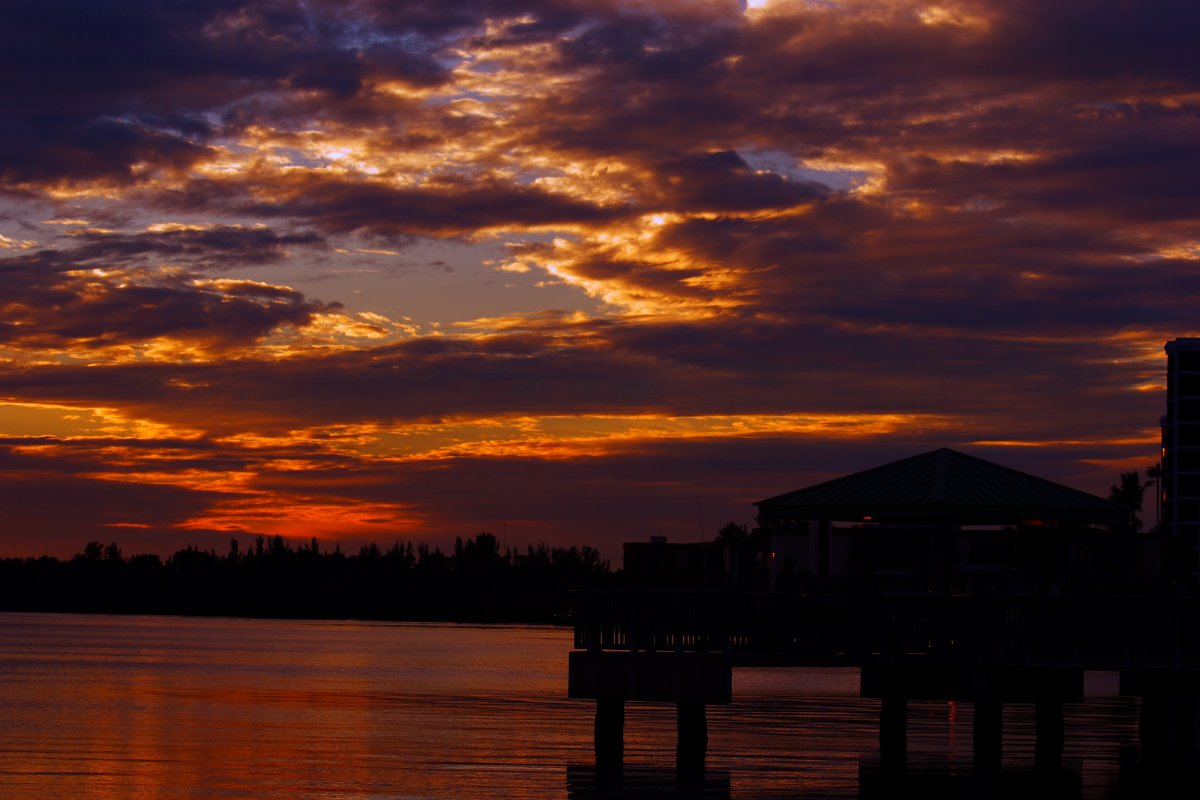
(681, 647)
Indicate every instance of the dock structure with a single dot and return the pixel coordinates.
(682, 648)
(942, 640)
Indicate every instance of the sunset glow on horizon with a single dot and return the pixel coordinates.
(583, 271)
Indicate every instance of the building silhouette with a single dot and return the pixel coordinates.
(945, 522)
(1181, 457)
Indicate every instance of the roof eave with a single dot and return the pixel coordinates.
(938, 512)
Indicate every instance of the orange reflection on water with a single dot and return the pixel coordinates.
(158, 707)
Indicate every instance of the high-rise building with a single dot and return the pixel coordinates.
(1180, 482)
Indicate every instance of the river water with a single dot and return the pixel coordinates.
(102, 707)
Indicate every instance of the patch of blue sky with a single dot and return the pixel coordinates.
(432, 282)
(528, 177)
(361, 35)
(787, 165)
(299, 158)
(457, 97)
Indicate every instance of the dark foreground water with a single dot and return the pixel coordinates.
(162, 707)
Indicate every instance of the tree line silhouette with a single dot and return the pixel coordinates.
(477, 582)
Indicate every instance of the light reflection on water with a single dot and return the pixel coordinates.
(137, 707)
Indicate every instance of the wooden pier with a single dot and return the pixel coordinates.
(682, 648)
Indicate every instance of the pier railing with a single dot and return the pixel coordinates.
(1092, 631)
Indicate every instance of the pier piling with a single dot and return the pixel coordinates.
(691, 746)
(893, 733)
(610, 734)
(988, 735)
(1051, 732)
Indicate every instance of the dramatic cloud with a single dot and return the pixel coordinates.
(689, 254)
(82, 311)
(214, 246)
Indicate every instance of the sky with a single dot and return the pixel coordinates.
(574, 271)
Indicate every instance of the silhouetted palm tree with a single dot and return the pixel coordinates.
(1129, 493)
(1154, 475)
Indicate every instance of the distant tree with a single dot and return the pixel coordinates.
(1154, 475)
(477, 582)
(1130, 492)
(742, 548)
(92, 551)
(401, 556)
(732, 534)
(482, 551)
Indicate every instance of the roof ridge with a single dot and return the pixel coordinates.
(855, 474)
(940, 481)
(1023, 475)
(939, 478)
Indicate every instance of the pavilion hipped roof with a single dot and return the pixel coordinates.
(942, 486)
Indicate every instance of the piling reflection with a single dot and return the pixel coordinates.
(944, 782)
(1156, 775)
(586, 782)
(878, 781)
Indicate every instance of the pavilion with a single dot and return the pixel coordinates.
(1034, 647)
(934, 498)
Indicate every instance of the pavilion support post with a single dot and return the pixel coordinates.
(893, 733)
(1152, 726)
(988, 735)
(610, 734)
(1169, 727)
(823, 556)
(1183, 728)
(1051, 730)
(691, 746)
(943, 557)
